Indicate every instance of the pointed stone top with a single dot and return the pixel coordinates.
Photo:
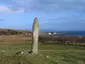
(35, 24)
(35, 20)
(35, 17)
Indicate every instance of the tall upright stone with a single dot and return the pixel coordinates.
(35, 34)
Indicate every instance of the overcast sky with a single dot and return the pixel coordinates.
(52, 14)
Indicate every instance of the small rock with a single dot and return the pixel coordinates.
(19, 52)
(3, 51)
(40, 54)
(47, 57)
(22, 52)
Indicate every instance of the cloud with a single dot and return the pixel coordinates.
(26, 5)
(5, 9)
(48, 5)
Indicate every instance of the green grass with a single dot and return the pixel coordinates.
(48, 54)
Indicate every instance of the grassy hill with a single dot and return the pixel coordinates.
(48, 53)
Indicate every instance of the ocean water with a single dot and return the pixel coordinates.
(73, 33)
(69, 33)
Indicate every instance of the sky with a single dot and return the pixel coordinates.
(53, 15)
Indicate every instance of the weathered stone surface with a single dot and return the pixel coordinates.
(35, 35)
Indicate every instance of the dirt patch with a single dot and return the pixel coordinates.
(14, 38)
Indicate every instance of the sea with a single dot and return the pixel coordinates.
(70, 33)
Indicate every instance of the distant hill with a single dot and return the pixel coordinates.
(4, 31)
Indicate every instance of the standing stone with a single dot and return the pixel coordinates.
(35, 32)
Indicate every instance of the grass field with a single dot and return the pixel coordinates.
(48, 53)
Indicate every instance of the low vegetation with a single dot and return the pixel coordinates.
(71, 40)
(48, 53)
(8, 32)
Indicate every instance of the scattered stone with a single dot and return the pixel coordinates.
(3, 51)
(47, 57)
(22, 52)
(19, 52)
(40, 54)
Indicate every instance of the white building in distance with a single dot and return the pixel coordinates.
(54, 33)
(51, 33)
